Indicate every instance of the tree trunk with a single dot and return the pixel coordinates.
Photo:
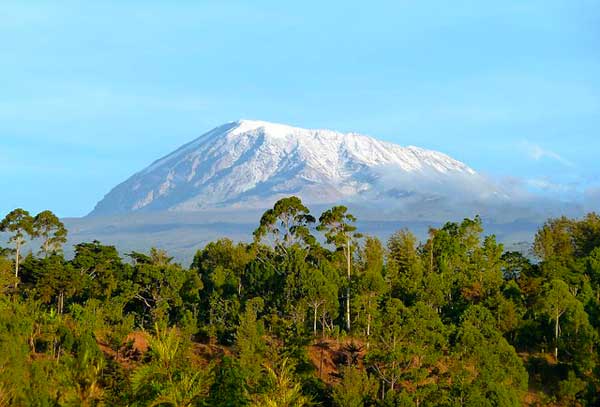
(61, 302)
(315, 321)
(46, 248)
(556, 337)
(348, 290)
(18, 255)
(431, 257)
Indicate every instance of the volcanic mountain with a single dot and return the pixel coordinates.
(250, 164)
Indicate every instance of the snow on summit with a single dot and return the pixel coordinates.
(250, 163)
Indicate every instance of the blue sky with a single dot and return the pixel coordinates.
(93, 91)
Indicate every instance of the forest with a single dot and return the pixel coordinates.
(310, 313)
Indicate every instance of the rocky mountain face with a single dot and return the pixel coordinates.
(250, 164)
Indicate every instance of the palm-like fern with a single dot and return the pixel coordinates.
(165, 345)
(186, 391)
(164, 381)
(285, 390)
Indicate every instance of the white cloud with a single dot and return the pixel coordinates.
(537, 153)
(546, 185)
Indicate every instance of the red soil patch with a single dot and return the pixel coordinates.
(131, 351)
(328, 355)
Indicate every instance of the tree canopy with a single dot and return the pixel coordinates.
(308, 313)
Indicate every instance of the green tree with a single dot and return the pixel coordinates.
(555, 301)
(51, 230)
(249, 342)
(228, 388)
(453, 270)
(286, 225)
(232, 258)
(55, 280)
(515, 265)
(320, 293)
(412, 340)
(384, 357)
(20, 225)
(355, 389)
(370, 283)
(101, 267)
(160, 286)
(486, 370)
(7, 277)
(570, 389)
(593, 271)
(404, 267)
(555, 240)
(337, 225)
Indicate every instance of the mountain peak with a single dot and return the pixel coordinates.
(269, 128)
(251, 163)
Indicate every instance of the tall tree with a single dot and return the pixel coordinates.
(51, 230)
(55, 280)
(19, 223)
(555, 239)
(102, 268)
(371, 284)
(337, 225)
(320, 293)
(249, 343)
(555, 301)
(412, 340)
(161, 286)
(287, 224)
(404, 268)
(224, 254)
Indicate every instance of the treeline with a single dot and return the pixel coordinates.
(310, 313)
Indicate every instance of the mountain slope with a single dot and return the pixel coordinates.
(250, 164)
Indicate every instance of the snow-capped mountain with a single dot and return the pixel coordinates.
(250, 164)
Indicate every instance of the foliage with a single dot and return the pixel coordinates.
(51, 230)
(298, 319)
